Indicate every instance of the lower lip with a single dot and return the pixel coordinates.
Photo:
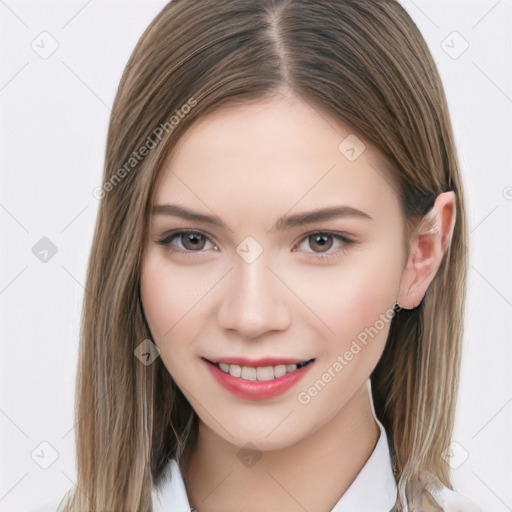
(255, 389)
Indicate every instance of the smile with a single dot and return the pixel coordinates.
(258, 382)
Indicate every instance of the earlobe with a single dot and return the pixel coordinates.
(427, 247)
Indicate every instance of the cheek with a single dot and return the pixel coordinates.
(167, 294)
(157, 298)
(357, 306)
(164, 304)
(173, 299)
(349, 298)
(351, 293)
(166, 298)
(374, 289)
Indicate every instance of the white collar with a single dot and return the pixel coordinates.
(373, 489)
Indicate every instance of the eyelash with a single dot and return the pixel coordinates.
(166, 241)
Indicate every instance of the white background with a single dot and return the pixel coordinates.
(54, 115)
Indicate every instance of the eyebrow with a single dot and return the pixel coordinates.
(283, 223)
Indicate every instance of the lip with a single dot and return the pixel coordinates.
(253, 389)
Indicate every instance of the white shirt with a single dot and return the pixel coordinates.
(373, 490)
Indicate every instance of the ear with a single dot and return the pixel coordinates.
(427, 247)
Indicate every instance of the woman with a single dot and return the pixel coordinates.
(275, 293)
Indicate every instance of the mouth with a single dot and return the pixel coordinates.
(259, 373)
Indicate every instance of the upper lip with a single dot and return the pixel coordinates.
(264, 361)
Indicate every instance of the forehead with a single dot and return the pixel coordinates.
(272, 156)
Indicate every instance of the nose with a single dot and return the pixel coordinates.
(255, 301)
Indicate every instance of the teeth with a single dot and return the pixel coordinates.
(260, 373)
(265, 373)
(248, 373)
(280, 370)
(233, 369)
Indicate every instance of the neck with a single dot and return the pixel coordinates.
(327, 462)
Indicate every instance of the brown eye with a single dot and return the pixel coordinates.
(318, 245)
(320, 241)
(187, 242)
(192, 241)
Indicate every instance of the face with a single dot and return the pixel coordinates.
(255, 278)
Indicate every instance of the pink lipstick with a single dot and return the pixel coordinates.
(250, 388)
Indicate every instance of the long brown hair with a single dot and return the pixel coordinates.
(363, 62)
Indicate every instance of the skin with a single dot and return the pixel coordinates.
(249, 165)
